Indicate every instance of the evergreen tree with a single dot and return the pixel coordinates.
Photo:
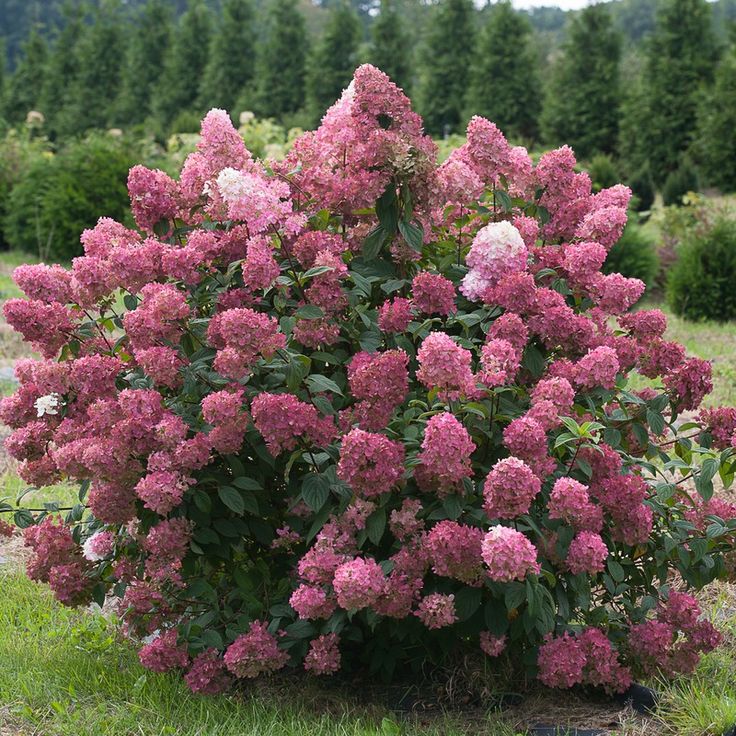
(717, 123)
(63, 68)
(391, 50)
(2, 79)
(334, 59)
(680, 58)
(24, 86)
(447, 55)
(582, 107)
(282, 61)
(145, 59)
(186, 59)
(504, 82)
(231, 64)
(96, 85)
(632, 126)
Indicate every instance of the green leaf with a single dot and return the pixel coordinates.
(318, 383)
(413, 234)
(467, 602)
(617, 572)
(373, 243)
(375, 525)
(310, 311)
(655, 421)
(315, 491)
(247, 484)
(232, 498)
(503, 199)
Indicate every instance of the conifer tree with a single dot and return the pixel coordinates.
(680, 59)
(282, 61)
(2, 79)
(63, 68)
(504, 83)
(334, 59)
(447, 53)
(186, 58)
(582, 107)
(97, 83)
(717, 123)
(24, 86)
(144, 62)
(391, 50)
(231, 63)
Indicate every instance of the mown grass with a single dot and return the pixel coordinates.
(64, 673)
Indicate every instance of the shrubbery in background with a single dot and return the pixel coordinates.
(59, 195)
(679, 183)
(701, 281)
(367, 412)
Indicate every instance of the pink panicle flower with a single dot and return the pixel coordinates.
(283, 420)
(371, 463)
(369, 135)
(445, 455)
(508, 555)
(598, 367)
(500, 362)
(260, 269)
(162, 491)
(587, 554)
(395, 315)
(167, 543)
(561, 661)
(454, 551)
(164, 653)
(153, 197)
(509, 489)
(70, 585)
(380, 382)
(497, 251)
(570, 501)
(310, 602)
(403, 522)
(46, 326)
(445, 366)
(242, 336)
(358, 583)
(433, 294)
(99, 546)
(207, 674)
(44, 283)
(690, 383)
(493, 646)
(255, 652)
(323, 657)
(437, 610)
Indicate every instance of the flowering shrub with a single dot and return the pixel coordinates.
(361, 410)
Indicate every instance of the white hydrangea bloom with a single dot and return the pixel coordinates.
(47, 404)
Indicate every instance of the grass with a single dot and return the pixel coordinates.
(64, 673)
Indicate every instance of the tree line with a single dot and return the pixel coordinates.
(665, 109)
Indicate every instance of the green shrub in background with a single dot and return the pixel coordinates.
(18, 152)
(634, 256)
(681, 181)
(701, 282)
(643, 189)
(602, 172)
(58, 197)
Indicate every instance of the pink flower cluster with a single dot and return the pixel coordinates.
(255, 652)
(371, 463)
(508, 555)
(583, 658)
(445, 455)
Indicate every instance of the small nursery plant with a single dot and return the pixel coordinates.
(355, 410)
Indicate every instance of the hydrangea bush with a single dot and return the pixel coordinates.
(355, 410)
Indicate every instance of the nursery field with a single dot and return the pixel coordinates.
(65, 672)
